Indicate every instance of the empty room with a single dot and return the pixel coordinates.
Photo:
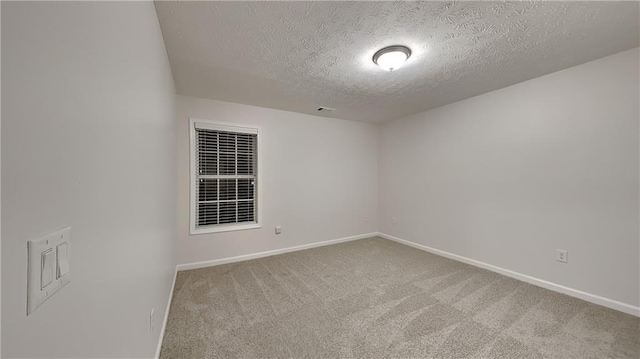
(347, 179)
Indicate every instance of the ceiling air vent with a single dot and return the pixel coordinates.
(325, 109)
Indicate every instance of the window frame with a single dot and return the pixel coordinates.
(228, 127)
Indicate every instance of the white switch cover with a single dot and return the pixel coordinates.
(49, 269)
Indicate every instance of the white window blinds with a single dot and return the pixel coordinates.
(226, 176)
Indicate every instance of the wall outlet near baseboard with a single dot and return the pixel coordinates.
(562, 255)
(278, 229)
(394, 220)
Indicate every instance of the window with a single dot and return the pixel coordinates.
(224, 176)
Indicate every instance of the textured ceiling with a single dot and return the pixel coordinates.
(298, 56)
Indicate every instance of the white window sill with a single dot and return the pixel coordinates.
(225, 228)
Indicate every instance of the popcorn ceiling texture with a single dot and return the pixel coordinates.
(298, 56)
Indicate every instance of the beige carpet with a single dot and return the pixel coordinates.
(374, 298)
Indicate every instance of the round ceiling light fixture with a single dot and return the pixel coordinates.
(392, 57)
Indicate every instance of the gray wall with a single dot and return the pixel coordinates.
(88, 142)
(319, 180)
(508, 177)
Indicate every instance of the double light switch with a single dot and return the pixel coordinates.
(55, 264)
(48, 267)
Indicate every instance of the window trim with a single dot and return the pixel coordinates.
(231, 127)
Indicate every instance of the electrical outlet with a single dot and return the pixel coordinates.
(562, 255)
(152, 319)
(278, 229)
(366, 219)
(394, 220)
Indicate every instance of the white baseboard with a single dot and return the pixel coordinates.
(596, 299)
(166, 315)
(217, 262)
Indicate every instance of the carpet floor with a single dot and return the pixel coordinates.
(375, 298)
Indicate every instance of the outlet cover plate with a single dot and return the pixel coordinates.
(562, 255)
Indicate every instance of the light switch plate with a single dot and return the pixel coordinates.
(37, 293)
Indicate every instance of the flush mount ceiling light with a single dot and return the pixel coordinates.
(392, 57)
